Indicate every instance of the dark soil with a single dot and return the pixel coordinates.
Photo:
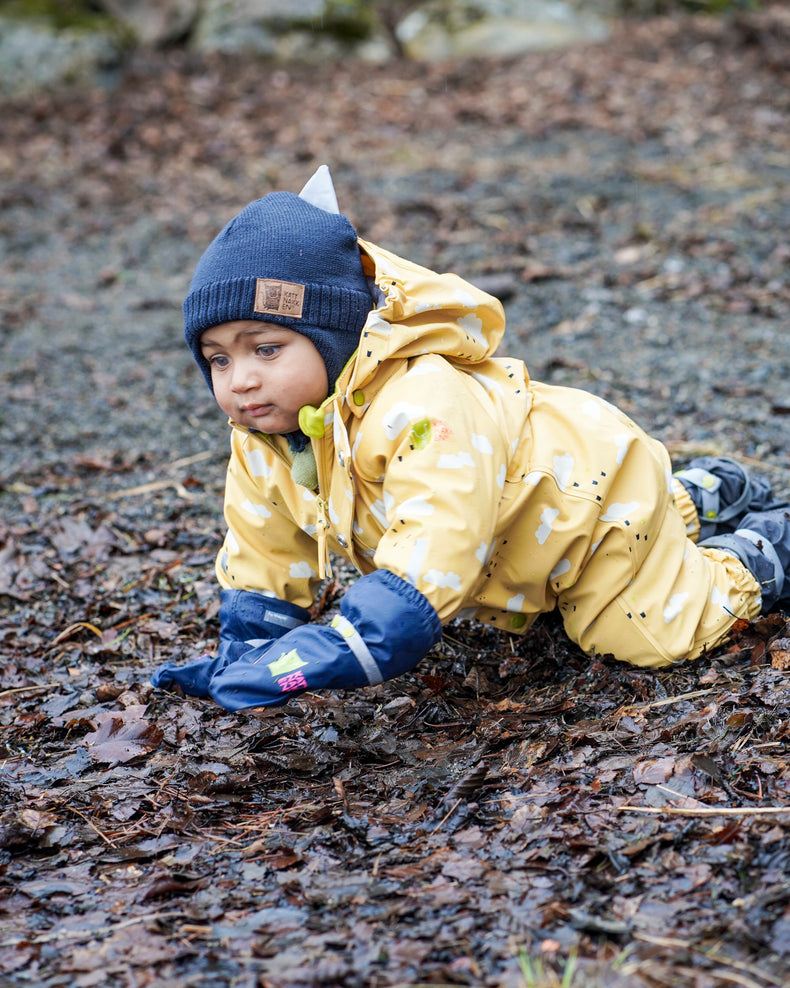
(511, 813)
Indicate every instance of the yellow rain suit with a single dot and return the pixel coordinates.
(495, 496)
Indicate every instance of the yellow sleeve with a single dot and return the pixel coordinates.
(269, 544)
(434, 439)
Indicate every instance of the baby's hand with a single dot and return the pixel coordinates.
(194, 677)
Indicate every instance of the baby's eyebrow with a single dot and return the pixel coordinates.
(265, 329)
(210, 345)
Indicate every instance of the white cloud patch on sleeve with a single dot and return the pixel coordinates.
(301, 571)
(465, 298)
(399, 417)
(256, 461)
(376, 324)
(419, 506)
(260, 510)
(381, 507)
(488, 382)
(563, 468)
(622, 441)
(420, 370)
(438, 579)
(546, 521)
(562, 567)
(473, 326)
(482, 444)
(719, 599)
(616, 512)
(675, 606)
(416, 560)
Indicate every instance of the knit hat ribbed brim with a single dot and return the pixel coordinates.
(285, 261)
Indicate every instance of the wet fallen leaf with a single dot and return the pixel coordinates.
(119, 739)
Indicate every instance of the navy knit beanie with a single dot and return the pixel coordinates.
(286, 261)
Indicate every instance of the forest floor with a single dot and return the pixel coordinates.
(511, 813)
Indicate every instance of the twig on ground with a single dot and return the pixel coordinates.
(91, 824)
(640, 707)
(707, 810)
(28, 689)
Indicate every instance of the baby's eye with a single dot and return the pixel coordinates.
(267, 350)
(219, 361)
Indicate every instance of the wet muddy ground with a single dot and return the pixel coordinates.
(510, 810)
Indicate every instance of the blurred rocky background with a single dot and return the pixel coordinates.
(52, 43)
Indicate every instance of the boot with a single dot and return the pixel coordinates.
(723, 491)
(762, 543)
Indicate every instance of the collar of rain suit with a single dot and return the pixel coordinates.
(418, 312)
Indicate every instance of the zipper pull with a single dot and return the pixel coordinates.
(324, 565)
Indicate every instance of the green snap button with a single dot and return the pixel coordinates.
(311, 421)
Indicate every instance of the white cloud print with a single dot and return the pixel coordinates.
(257, 463)
(301, 571)
(450, 461)
(381, 507)
(416, 506)
(465, 298)
(482, 443)
(256, 509)
(675, 606)
(420, 370)
(473, 326)
(616, 512)
(439, 579)
(563, 468)
(622, 441)
(378, 325)
(721, 600)
(399, 416)
(562, 567)
(546, 521)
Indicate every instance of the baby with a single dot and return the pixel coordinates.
(371, 419)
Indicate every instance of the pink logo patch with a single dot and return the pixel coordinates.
(295, 681)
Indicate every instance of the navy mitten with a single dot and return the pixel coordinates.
(385, 627)
(248, 621)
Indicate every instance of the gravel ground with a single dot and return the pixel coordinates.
(629, 203)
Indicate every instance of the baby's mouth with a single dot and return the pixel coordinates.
(256, 411)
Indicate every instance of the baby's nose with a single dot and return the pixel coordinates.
(244, 377)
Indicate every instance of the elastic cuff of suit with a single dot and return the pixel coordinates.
(416, 600)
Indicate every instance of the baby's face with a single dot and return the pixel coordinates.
(262, 373)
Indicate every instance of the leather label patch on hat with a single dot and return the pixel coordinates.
(279, 298)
